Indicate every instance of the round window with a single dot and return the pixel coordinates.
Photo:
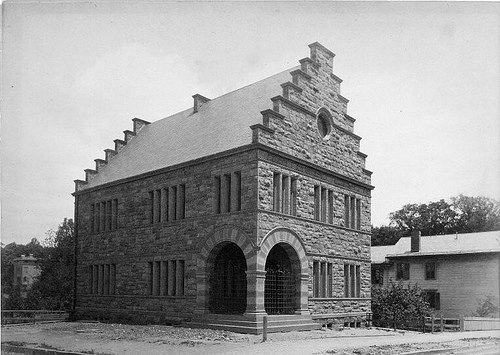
(324, 126)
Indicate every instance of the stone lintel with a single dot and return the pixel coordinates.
(336, 78)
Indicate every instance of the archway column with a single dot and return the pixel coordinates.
(255, 292)
(303, 294)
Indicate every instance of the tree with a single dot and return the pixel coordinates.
(476, 214)
(487, 306)
(399, 305)
(53, 288)
(387, 235)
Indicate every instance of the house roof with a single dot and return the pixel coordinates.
(481, 242)
(220, 124)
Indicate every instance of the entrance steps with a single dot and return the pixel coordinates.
(247, 325)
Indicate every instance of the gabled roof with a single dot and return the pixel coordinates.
(481, 242)
(220, 124)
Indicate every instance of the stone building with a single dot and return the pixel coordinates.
(254, 203)
(26, 270)
(456, 271)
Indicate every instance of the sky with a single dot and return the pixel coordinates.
(422, 80)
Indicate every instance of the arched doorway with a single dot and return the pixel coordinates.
(228, 281)
(282, 280)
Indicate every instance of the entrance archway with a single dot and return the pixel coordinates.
(228, 281)
(281, 291)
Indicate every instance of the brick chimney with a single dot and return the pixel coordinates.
(415, 241)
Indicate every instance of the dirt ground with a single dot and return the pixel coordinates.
(101, 338)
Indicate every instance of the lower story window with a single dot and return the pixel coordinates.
(433, 298)
(102, 279)
(352, 281)
(322, 279)
(166, 278)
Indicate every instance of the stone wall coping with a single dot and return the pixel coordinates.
(135, 119)
(342, 98)
(294, 86)
(336, 78)
(310, 61)
(362, 155)
(270, 112)
(322, 47)
(302, 73)
(367, 172)
(350, 118)
(262, 127)
(306, 111)
(99, 160)
(90, 171)
(201, 98)
(241, 149)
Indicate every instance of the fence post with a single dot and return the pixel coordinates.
(432, 323)
(442, 324)
(462, 325)
(264, 329)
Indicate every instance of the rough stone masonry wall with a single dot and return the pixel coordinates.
(137, 242)
(323, 241)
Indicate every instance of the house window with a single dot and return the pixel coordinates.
(104, 216)
(167, 204)
(430, 271)
(352, 281)
(433, 298)
(322, 279)
(352, 212)
(324, 125)
(284, 194)
(323, 204)
(402, 271)
(166, 278)
(227, 189)
(377, 276)
(102, 279)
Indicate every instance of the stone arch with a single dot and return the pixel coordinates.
(282, 235)
(209, 249)
(292, 245)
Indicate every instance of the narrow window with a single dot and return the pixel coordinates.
(92, 218)
(108, 215)
(236, 191)
(352, 277)
(430, 271)
(156, 278)
(227, 196)
(163, 278)
(329, 277)
(96, 217)
(112, 279)
(106, 279)
(277, 192)
(150, 277)
(102, 217)
(322, 273)
(346, 281)
(164, 205)
(358, 281)
(173, 202)
(285, 194)
(346, 211)
(402, 271)
(217, 193)
(330, 206)
(157, 206)
(317, 202)
(358, 214)
(151, 206)
(181, 201)
(91, 278)
(352, 212)
(114, 224)
(293, 196)
(316, 279)
(171, 277)
(95, 285)
(324, 198)
(101, 279)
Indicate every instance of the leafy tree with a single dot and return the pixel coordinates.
(387, 235)
(476, 214)
(399, 305)
(53, 288)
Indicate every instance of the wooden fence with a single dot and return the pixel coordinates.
(32, 316)
(479, 323)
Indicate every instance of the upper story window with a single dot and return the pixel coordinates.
(167, 204)
(227, 192)
(104, 216)
(402, 271)
(352, 212)
(323, 204)
(430, 271)
(324, 123)
(285, 194)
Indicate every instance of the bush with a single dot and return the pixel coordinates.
(399, 306)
